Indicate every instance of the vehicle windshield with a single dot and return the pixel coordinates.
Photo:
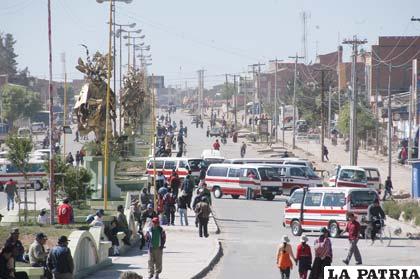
(296, 198)
(353, 175)
(269, 174)
(309, 172)
(195, 164)
(362, 198)
(210, 161)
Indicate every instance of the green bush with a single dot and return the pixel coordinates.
(411, 209)
(392, 209)
(417, 221)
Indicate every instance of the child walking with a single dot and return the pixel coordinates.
(303, 257)
(284, 253)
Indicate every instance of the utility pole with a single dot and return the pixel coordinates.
(63, 60)
(389, 122)
(329, 114)
(227, 97)
(245, 100)
(322, 110)
(276, 117)
(234, 100)
(257, 91)
(355, 42)
(296, 57)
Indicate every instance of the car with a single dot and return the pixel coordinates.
(215, 132)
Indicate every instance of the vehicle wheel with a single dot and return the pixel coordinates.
(269, 197)
(334, 230)
(217, 193)
(235, 197)
(296, 228)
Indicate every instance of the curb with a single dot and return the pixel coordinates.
(212, 263)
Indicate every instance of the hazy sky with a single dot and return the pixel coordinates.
(221, 36)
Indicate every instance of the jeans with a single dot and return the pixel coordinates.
(353, 249)
(202, 226)
(285, 273)
(10, 200)
(170, 214)
(183, 216)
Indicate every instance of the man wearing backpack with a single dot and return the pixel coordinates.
(203, 213)
(188, 187)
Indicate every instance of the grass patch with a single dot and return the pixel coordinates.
(392, 209)
(411, 210)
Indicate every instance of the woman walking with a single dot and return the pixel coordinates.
(323, 255)
(303, 257)
(284, 255)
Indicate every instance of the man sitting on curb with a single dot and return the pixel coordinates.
(156, 238)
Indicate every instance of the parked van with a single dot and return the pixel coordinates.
(211, 156)
(295, 177)
(348, 176)
(254, 161)
(297, 161)
(326, 207)
(181, 164)
(36, 173)
(373, 178)
(235, 179)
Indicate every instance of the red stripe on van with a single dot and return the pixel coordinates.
(231, 181)
(319, 211)
(351, 184)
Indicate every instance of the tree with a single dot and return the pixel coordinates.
(8, 64)
(365, 120)
(18, 102)
(18, 155)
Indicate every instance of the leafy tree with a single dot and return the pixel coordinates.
(18, 102)
(18, 155)
(8, 64)
(365, 120)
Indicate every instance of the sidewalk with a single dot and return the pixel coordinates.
(185, 256)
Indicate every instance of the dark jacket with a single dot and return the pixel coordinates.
(375, 211)
(149, 238)
(60, 260)
(182, 202)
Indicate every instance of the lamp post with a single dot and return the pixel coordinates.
(135, 46)
(128, 36)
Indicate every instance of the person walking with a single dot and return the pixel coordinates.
(388, 188)
(203, 213)
(11, 192)
(82, 156)
(284, 257)
(323, 255)
(325, 152)
(303, 257)
(65, 213)
(155, 238)
(77, 158)
(169, 204)
(243, 149)
(188, 187)
(60, 261)
(182, 209)
(353, 228)
(216, 145)
(37, 253)
(69, 159)
(174, 183)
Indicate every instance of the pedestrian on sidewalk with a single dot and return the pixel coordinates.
(182, 209)
(60, 261)
(169, 203)
(388, 188)
(174, 183)
(323, 255)
(69, 159)
(112, 236)
(303, 257)
(216, 145)
(325, 152)
(11, 191)
(208, 131)
(203, 213)
(188, 187)
(156, 238)
(353, 228)
(77, 158)
(284, 257)
(82, 156)
(243, 149)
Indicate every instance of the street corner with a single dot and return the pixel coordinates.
(213, 259)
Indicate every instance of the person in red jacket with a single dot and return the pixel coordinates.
(216, 145)
(65, 213)
(353, 228)
(303, 257)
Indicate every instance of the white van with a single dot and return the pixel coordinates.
(326, 207)
(348, 176)
(234, 180)
(254, 161)
(297, 161)
(373, 177)
(295, 177)
(36, 173)
(181, 164)
(211, 156)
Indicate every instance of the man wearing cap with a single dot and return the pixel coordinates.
(14, 241)
(156, 238)
(37, 253)
(60, 261)
(203, 213)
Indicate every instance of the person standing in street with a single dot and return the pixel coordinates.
(11, 191)
(203, 213)
(182, 208)
(243, 149)
(174, 183)
(388, 188)
(303, 257)
(216, 145)
(284, 257)
(60, 261)
(155, 238)
(353, 228)
(325, 152)
(188, 187)
(77, 158)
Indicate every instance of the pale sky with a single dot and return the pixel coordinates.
(221, 36)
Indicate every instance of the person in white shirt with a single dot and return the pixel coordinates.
(42, 217)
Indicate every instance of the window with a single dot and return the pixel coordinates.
(296, 197)
(353, 175)
(297, 172)
(362, 198)
(372, 174)
(269, 174)
(295, 163)
(235, 172)
(217, 171)
(334, 199)
(11, 169)
(170, 165)
(194, 164)
(159, 164)
(182, 164)
(313, 199)
(250, 173)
